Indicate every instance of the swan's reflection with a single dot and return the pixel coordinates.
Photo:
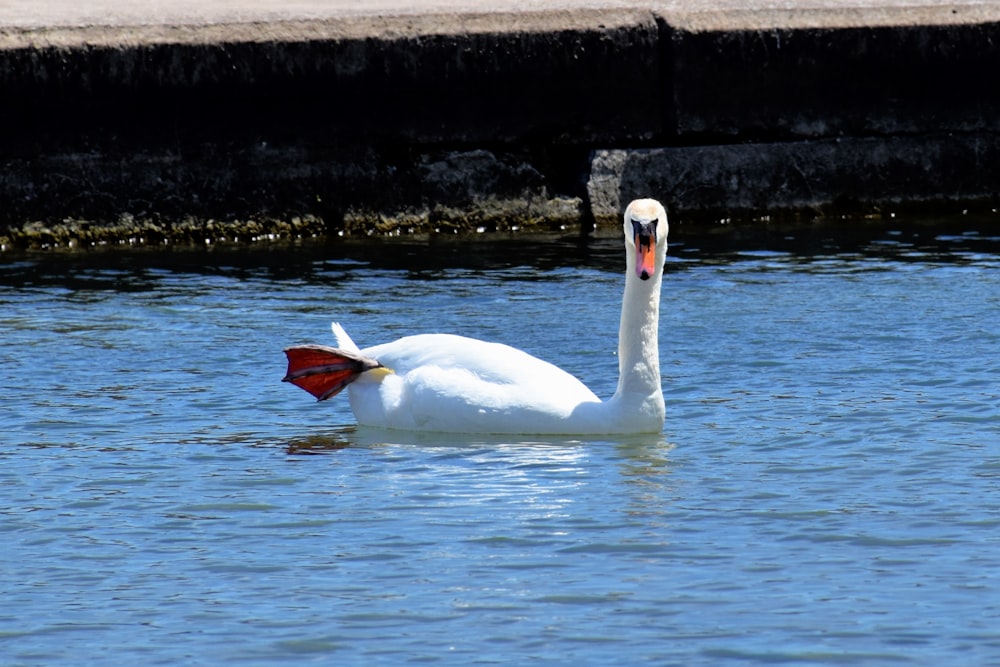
(638, 452)
(643, 456)
(643, 461)
(364, 436)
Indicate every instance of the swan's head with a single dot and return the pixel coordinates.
(646, 235)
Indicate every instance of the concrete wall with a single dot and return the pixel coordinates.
(375, 125)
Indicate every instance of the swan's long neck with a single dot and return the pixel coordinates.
(638, 339)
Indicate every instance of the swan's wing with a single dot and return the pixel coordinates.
(492, 363)
(452, 383)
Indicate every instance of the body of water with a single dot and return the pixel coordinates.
(826, 489)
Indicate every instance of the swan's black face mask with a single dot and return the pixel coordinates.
(644, 235)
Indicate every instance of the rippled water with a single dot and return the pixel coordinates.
(826, 489)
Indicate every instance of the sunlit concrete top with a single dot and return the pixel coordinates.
(64, 22)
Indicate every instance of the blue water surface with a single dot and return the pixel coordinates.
(826, 489)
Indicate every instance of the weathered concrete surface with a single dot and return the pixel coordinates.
(217, 118)
(834, 177)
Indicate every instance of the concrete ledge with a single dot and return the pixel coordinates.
(833, 177)
(448, 117)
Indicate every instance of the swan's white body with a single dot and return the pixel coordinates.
(441, 382)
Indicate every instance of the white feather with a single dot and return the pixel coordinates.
(344, 341)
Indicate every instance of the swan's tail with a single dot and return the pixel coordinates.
(325, 371)
(344, 341)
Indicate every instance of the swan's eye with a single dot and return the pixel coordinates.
(644, 231)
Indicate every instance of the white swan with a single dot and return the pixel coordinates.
(441, 382)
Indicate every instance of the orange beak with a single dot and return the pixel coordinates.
(645, 255)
